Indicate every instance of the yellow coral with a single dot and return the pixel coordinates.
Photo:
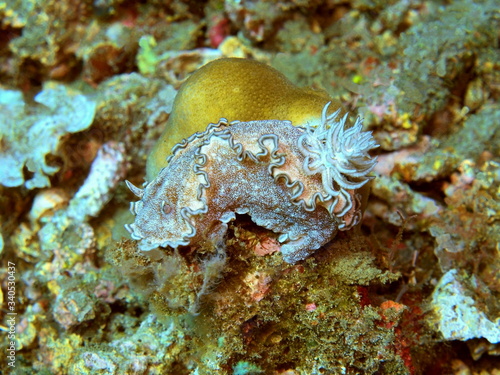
(235, 89)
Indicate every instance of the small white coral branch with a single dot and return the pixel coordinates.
(340, 154)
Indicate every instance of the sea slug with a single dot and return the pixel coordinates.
(235, 89)
(302, 183)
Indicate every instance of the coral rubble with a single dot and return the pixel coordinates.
(458, 318)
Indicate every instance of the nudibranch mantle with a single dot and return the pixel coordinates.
(303, 183)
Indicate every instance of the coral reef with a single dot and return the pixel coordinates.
(28, 139)
(87, 89)
(249, 289)
(107, 170)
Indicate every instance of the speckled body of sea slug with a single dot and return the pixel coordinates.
(303, 183)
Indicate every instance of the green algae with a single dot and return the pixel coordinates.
(297, 307)
(479, 133)
(428, 69)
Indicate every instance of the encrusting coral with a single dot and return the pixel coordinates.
(28, 137)
(235, 89)
(304, 184)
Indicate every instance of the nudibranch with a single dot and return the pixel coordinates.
(303, 183)
(235, 89)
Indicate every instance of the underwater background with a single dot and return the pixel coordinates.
(86, 88)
